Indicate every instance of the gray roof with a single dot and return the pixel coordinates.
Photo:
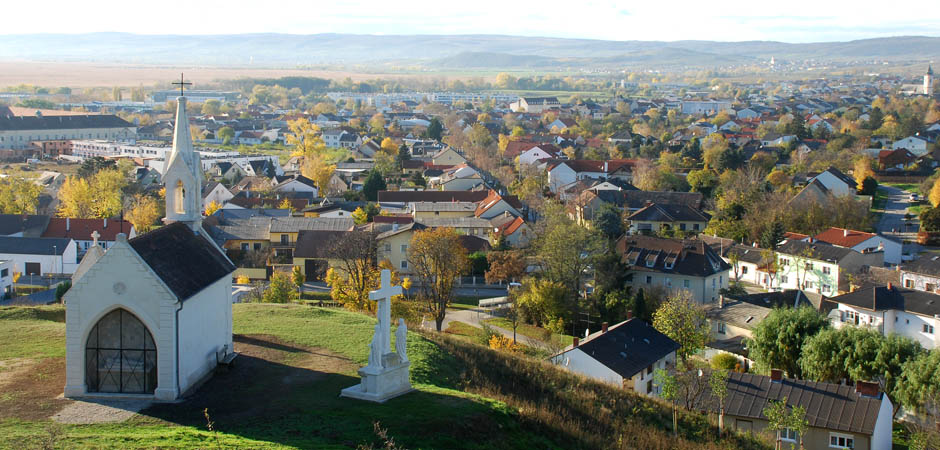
(882, 298)
(33, 245)
(295, 224)
(455, 222)
(926, 265)
(692, 257)
(15, 123)
(628, 347)
(445, 206)
(669, 213)
(818, 251)
(29, 225)
(828, 406)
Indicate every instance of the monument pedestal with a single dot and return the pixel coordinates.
(380, 384)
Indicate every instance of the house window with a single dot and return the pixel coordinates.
(784, 262)
(695, 226)
(788, 435)
(257, 246)
(682, 226)
(851, 316)
(826, 270)
(686, 284)
(809, 266)
(668, 282)
(928, 329)
(909, 284)
(721, 328)
(841, 441)
(649, 369)
(285, 239)
(404, 264)
(404, 248)
(826, 288)
(743, 270)
(783, 279)
(4, 273)
(244, 246)
(388, 248)
(649, 279)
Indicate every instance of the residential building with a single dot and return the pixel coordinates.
(890, 309)
(625, 355)
(39, 256)
(836, 182)
(922, 274)
(862, 242)
(839, 416)
(675, 265)
(425, 210)
(734, 317)
(655, 217)
(393, 244)
(915, 144)
(215, 192)
(820, 267)
(534, 105)
(88, 232)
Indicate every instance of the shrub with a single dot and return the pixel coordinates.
(243, 279)
(500, 342)
(725, 361)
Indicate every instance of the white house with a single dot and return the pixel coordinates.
(836, 182)
(535, 154)
(922, 274)
(916, 144)
(152, 316)
(6, 278)
(889, 309)
(688, 265)
(625, 355)
(862, 242)
(39, 256)
(297, 183)
(215, 192)
(819, 267)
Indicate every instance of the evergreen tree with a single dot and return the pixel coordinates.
(374, 183)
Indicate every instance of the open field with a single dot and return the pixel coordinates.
(82, 75)
(283, 391)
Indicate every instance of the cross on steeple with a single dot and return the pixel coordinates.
(181, 83)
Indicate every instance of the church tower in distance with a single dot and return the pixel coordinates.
(928, 81)
(183, 175)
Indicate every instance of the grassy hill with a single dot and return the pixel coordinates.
(283, 393)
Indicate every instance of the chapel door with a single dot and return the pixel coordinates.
(120, 356)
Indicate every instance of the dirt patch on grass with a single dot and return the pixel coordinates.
(28, 388)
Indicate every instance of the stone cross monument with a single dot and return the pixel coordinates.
(387, 374)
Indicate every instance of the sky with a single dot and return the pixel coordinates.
(661, 20)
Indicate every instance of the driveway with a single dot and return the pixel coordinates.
(475, 317)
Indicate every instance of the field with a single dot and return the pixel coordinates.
(283, 393)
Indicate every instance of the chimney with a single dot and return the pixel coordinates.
(604, 327)
(754, 244)
(867, 388)
(576, 342)
(629, 314)
(890, 286)
(776, 375)
(68, 224)
(721, 301)
(845, 232)
(105, 223)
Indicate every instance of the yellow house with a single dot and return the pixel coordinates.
(447, 157)
(284, 230)
(393, 245)
(316, 251)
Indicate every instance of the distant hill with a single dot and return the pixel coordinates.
(448, 51)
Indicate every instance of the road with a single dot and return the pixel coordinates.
(892, 221)
(475, 317)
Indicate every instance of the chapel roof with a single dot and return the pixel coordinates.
(186, 261)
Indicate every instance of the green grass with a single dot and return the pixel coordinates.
(879, 201)
(465, 303)
(32, 332)
(909, 187)
(465, 332)
(531, 331)
(467, 396)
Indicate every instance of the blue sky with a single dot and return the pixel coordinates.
(722, 20)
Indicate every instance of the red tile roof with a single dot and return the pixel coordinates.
(81, 229)
(843, 237)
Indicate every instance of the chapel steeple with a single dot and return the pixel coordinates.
(183, 175)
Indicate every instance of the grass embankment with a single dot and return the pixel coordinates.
(532, 331)
(283, 393)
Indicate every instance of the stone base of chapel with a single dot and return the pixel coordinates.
(381, 384)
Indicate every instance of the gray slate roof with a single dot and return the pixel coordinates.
(927, 265)
(185, 261)
(881, 298)
(691, 257)
(295, 224)
(817, 250)
(33, 245)
(29, 225)
(628, 347)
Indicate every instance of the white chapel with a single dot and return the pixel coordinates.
(149, 316)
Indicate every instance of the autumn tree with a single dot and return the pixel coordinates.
(354, 275)
(862, 170)
(438, 260)
(508, 265)
(683, 321)
(214, 206)
(779, 339)
(18, 196)
(144, 211)
(389, 146)
(934, 195)
(281, 289)
(564, 249)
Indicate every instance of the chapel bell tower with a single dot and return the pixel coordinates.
(183, 175)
